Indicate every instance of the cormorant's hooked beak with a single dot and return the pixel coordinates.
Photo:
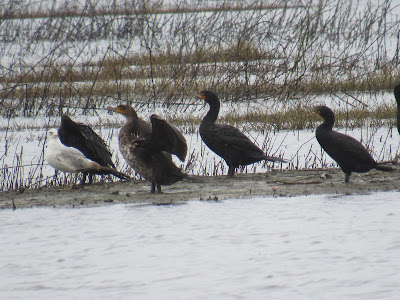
(156, 117)
(200, 95)
(317, 111)
(115, 109)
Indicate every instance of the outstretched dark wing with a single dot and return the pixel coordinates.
(168, 137)
(83, 138)
(164, 137)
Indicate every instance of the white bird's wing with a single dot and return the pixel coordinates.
(68, 159)
(74, 158)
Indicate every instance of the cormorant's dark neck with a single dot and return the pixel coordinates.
(397, 94)
(131, 126)
(398, 112)
(212, 114)
(329, 120)
(397, 97)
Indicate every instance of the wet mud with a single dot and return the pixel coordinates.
(275, 183)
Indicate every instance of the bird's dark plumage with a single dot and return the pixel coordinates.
(148, 149)
(164, 137)
(83, 138)
(227, 141)
(397, 97)
(349, 153)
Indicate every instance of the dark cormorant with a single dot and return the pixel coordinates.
(349, 153)
(83, 138)
(148, 149)
(227, 141)
(397, 96)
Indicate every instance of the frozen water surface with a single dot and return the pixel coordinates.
(310, 247)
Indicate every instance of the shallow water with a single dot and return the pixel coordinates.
(310, 247)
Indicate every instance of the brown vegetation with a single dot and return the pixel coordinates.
(72, 56)
(82, 58)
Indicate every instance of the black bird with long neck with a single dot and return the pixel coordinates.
(148, 148)
(348, 153)
(397, 97)
(227, 141)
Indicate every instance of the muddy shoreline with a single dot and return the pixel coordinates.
(287, 183)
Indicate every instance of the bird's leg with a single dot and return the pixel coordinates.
(158, 188)
(153, 187)
(347, 178)
(65, 181)
(83, 180)
(231, 171)
(90, 175)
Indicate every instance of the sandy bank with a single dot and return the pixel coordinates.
(274, 183)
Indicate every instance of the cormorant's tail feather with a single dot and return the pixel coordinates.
(97, 169)
(394, 161)
(275, 159)
(120, 175)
